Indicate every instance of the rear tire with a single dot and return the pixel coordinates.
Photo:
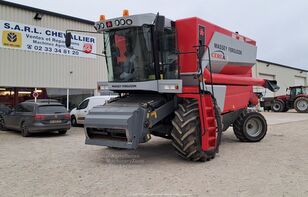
(301, 105)
(250, 127)
(24, 130)
(186, 132)
(278, 106)
(62, 132)
(74, 121)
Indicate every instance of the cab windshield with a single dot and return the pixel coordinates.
(129, 54)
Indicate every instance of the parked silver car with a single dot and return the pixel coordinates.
(42, 116)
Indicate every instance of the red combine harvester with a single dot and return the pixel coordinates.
(186, 80)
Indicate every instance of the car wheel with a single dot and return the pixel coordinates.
(73, 121)
(62, 132)
(2, 127)
(24, 130)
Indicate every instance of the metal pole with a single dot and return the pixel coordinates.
(67, 98)
(35, 98)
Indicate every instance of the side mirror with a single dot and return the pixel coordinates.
(68, 39)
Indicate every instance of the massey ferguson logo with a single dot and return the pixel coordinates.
(218, 55)
(87, 48)
(11, 37)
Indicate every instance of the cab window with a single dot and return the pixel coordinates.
(167, 55)
(84, 104)
(19, 108)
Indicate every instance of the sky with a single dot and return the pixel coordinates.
(280, 27)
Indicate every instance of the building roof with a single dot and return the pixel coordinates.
(281, 65)
(46, 12)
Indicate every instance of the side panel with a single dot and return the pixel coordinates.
(231, 46)
(237, 97)
(186, 38)
(231, 55)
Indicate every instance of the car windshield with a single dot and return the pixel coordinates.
(51, 109)
(129, 54)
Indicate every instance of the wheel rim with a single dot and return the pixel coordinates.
(73, 121)
(254, 127)
(302, 105)
(276, 106)
(24, 129)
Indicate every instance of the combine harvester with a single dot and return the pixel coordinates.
(186, 80)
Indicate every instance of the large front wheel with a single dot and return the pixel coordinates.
(186, 132)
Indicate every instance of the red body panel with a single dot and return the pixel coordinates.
(187, 32)
(283, 97)
(236, 77)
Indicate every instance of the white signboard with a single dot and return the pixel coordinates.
(39, 39)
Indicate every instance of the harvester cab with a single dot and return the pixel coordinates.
(185, 80)
(140, 48)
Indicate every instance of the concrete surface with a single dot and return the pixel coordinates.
(52, 165)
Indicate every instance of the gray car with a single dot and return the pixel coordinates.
(43, 116)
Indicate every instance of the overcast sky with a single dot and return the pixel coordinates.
(278, 26)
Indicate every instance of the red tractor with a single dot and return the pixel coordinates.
(296, 98)
(186, 80)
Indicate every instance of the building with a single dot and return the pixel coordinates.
(284, 75)
(33, 56)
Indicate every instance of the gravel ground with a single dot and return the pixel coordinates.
(53, 165)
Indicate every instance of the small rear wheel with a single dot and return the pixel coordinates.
(301, 105)
(278, 106)
(62, 132)
(250, 127)
(25, 130)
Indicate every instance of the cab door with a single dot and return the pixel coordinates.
(82, 111)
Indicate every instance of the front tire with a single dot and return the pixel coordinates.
(186, 132)
(250, 127)
(301, 105)
(278, 106)
(2, 127)
(62, 132)
(74, 121)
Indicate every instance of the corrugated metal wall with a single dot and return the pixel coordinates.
(19, 68)
(285, 76)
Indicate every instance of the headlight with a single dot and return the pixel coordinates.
(104, 87)
(171, 87)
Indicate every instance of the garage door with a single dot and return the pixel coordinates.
(265, 92)
(300, 81)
